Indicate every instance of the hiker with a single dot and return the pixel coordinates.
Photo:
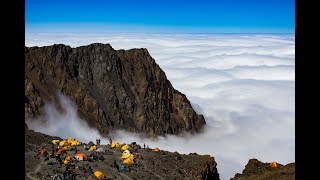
(37, 151)
(57, 177)
(110, 140)
(52, 152)
(58, 157)
(144, 146)
(99, 141)
(100, 158)
(116, 165)
(123, 168)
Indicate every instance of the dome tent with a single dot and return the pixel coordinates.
(274, 164)
(115, 144)
(81, 157)
(99, 175)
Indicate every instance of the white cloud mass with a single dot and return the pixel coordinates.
(244, 85)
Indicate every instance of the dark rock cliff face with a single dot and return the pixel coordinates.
(111, 89)
(256, 169)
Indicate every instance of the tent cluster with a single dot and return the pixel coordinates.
(67, 143)
(126, 156)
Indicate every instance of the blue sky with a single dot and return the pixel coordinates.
(199, 16)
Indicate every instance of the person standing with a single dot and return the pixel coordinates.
(75, 150)
(116, 165)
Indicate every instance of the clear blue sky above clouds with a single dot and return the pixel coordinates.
(223, 16)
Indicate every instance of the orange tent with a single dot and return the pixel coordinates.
(61, 151)
(81, 157)
(274, 164)
(156, 149)
(43, 152)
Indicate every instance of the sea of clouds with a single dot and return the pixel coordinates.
(243, 84)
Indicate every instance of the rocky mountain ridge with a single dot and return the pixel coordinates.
(112, 89)
(256, 169)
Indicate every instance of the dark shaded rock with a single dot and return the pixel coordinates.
(256, 169)
(37, 138)
(111, 89)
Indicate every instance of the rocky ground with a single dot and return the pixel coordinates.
(256, 169)
(154, 165)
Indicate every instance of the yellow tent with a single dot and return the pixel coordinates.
(93, 148)
(125, 147)
(99, 175)
(63, 143)
(129, 160)
(156, 149)
(274, 164)
(125, 154)
(55, 142)
(67, 148)
(70, 139)
(73, 142)
(115, 144)
(67, 160)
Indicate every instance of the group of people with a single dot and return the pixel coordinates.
(98, 141)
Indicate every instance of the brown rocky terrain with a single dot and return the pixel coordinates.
(154, 165)
(256, 169)
(112, 89)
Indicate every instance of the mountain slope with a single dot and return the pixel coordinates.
(111, 89)
(256, 169)
(153, 165)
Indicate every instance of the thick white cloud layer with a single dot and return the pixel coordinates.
(64, 124)
(244, 85)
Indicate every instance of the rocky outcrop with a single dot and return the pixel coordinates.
(33, 138)
(256, 169)
(111, 89)
(152, 165)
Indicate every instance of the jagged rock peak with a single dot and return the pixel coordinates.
(112, 89)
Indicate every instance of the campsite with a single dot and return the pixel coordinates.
(50, 157)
